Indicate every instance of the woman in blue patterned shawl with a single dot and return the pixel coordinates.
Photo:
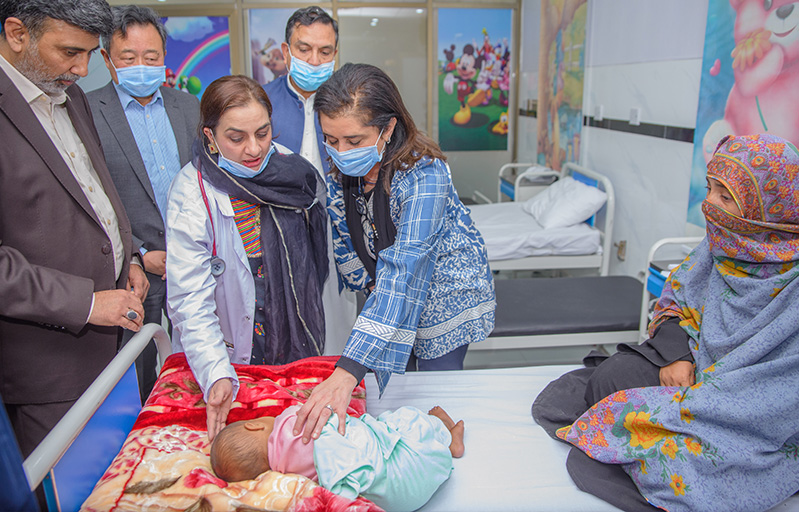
(400, 234)
(725, 435)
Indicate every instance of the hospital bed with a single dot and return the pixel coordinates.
(510, 463)
(564, 311)
(515, 240)
(73, 456)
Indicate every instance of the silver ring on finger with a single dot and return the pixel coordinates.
(131, 315)
(332, 411)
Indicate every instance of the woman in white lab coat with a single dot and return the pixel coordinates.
(246, 247)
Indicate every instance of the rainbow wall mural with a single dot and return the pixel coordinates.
(198, 51)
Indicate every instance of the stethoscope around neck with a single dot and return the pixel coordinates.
(217, 263)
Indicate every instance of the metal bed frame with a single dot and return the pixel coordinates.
(42, 465)
(525, 186)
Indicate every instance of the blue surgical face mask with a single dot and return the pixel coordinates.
(141, 81)
(309, 77)
(356, 162)
(241, 170)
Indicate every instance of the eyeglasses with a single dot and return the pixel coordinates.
(362, 208)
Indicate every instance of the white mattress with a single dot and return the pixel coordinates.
(510, 232)
(510, 463)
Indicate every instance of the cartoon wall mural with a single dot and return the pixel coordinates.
(750, 80)
(198, 51)
(267, 32)
(560, 81)
(474, 70)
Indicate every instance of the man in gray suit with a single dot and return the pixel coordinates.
(146, 131)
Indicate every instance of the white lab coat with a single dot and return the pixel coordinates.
(212, 317)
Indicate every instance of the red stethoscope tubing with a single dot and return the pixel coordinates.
(208, 209)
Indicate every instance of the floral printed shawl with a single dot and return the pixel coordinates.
(731, 441)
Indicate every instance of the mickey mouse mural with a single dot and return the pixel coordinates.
(474, 78)
(466, 69)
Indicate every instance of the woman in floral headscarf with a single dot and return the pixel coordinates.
(723, 435)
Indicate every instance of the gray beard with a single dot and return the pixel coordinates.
(30, 65)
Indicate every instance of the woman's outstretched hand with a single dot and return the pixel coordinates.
(678, 373)
(219, 401)
(335, 391)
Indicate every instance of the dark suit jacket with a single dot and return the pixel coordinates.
(53, 254)
(125, 162)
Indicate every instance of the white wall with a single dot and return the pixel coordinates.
(645, 54)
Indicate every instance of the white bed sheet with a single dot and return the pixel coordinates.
(510, 463)
(510, 232)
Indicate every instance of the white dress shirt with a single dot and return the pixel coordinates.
(310, 146)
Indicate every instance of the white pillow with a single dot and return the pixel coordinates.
(565, 203)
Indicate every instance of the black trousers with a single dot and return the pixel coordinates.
(567, 398)
(31, 423)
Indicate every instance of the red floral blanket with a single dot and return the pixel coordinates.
(164, 463)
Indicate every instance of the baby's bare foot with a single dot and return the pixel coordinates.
(441, 414)
(457, 448)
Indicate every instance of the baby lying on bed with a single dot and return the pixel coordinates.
(396, 460)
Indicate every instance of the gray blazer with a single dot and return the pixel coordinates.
(125, 162)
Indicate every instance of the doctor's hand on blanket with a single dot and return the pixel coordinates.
(331, 396)
(220, 398)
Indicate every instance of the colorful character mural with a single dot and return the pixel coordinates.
(474, 78)
(750, 80)
(266, 59)
(198, 52)
(560, 81)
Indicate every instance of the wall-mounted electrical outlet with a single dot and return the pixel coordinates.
(599, 112)
(621, 249)
(635, 116)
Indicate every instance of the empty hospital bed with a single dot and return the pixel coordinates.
(564, 311)
(516, 239)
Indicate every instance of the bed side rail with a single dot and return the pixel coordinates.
(605, 217)
(52, 448)
(690, 241)
(510, 186)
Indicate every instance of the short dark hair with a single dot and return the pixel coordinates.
(126, 16)
(236, 456)
(368, 93)
(308, 16)
(92, 16)
(229, 92)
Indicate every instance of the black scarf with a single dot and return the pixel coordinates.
(386, 231)
(293, 245)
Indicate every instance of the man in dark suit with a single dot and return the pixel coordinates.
(146, 131)
(67, 284)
